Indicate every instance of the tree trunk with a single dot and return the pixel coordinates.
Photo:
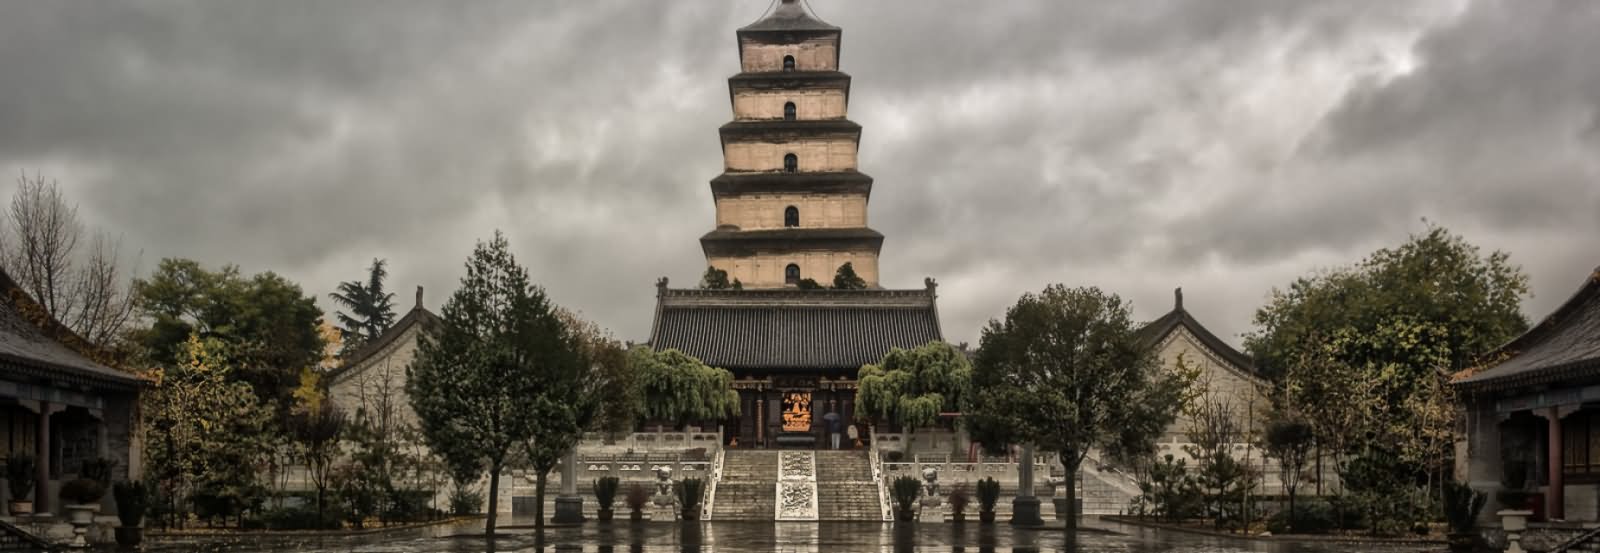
(1070, 480)
(494, 503)
(538, 500)
(1291, 511)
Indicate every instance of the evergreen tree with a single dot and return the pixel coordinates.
(1065, 371)
(371, 308)
(846, 278)
(500, 373)
(717, 279)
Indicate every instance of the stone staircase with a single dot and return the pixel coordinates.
(13, 538)
(1587, 542)
(1105, 492)
(845, 490)
(749, 483)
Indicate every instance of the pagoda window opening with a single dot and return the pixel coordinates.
(791, 274)
(791, 163)
(788, 111)
(788, 63)
(791, 216)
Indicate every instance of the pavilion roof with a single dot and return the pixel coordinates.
(788, 329)
(1564, 346)
(34, 346)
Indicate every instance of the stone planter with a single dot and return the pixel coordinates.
(958, 517)
(636, 515)
(24, 507)
(986, 517)
(80, 516)
(129, 536)
(1514, 522)
(604, 514)
(904, 515)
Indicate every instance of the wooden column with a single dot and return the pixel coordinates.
(1554, 499)
(41, 446)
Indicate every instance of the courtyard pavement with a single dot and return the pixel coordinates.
(730, 537)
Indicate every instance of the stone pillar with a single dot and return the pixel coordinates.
(1025, 508)
(41, 446)
(1554, 499)
(569, 505)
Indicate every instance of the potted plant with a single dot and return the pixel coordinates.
(906, 489)
(689, 492)
(133, 499)
(958, 499)
(636, 499)
(1513, 493)
(988, 496)
(20, 473)
(605, 493)
(82, 500)
(1461, 507)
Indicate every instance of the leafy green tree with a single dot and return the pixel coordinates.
(717, 279)
(808, 284)
(621, 390)
(1289, 440)
(677, 387)
(497, 369)
(911, 387)
(1434, 302)
(200, 428)
(1061, 371)
(1361, 350)
(846, 278)
(371, 308)
(268, 325)
(1227, 482)
(315, 428)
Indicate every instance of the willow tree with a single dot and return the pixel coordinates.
(911, 387)
(675, 386)
(1066, 372)
(501, 371)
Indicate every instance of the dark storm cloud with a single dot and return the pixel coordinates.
(1222, 146)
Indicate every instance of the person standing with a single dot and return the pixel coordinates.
(835, 424)
(854, 436)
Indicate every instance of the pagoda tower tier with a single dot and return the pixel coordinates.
(791, 203)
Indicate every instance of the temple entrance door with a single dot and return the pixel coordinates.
(797, 412)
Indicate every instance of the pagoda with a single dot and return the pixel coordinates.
(791, 204)
(791, 207)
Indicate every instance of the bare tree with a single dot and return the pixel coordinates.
(86, 291)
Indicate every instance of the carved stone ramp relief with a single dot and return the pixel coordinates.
(797, 486)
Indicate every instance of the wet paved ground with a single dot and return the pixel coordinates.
(784, 538)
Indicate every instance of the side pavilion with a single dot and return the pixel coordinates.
(1533, 412)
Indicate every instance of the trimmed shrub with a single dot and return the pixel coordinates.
(20, 472)
(82, 491)
(465, 501)
(605, 491)
(1310, 517)
(988, 494)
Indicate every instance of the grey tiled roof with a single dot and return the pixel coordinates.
(781, 330)
(32, 350)
(789, 16)
(1157, 330)
(417, 315)
(1564, 346)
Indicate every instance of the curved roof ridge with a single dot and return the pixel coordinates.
(1572, 328)
(1156, 331)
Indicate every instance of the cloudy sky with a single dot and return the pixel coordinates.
(1224, 146)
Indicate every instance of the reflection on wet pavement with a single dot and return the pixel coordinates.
(1100, 537)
